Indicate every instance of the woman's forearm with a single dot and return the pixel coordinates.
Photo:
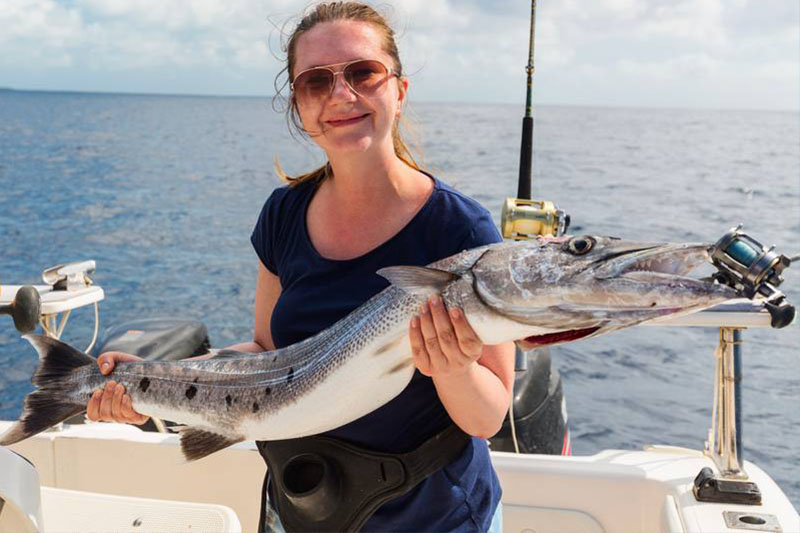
(477, 400)
(251, 346)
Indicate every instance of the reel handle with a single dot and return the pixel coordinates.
(25, 309)
(781, 312)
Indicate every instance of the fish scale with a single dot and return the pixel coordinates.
(532, 292)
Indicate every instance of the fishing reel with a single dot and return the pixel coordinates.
(752, 269)
(523, 219)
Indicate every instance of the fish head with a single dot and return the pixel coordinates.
(556, 290)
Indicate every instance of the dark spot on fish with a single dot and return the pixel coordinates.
(144, 384)
(228, 400)
(274, 358)
(268, 391)
(195, 380)
(191, 392)
(399, 366)
(290, 375)
(386, 347)
(255, 407)
(653, 304)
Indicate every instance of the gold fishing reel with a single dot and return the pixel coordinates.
(525, 219)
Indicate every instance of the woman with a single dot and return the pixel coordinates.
(320, 241)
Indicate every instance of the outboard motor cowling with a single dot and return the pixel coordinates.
(157, 339)
(540, 417)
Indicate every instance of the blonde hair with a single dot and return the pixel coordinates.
(328, 12)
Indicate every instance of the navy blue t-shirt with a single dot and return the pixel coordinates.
(316, 292)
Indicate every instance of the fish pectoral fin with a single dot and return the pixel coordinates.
(421, 281)
(197, 443)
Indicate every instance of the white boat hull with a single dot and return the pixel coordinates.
(615, 491)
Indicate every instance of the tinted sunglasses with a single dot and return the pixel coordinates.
(363, 76)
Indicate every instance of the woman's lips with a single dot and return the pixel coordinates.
(347, 121)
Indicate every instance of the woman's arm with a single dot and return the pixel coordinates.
(474, 381)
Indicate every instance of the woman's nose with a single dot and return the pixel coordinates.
(341, 90)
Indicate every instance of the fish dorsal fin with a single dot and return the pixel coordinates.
(421, 281)
(197, 443)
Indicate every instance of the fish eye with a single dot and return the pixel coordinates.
(580, 245)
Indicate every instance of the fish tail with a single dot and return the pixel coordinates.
(50, 403)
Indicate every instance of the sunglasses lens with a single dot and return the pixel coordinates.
(314, 84)
(365, 76)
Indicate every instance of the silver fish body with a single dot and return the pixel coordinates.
(533, 292)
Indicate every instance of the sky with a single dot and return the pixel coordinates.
(719, 54)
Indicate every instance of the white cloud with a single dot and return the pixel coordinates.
(116, 33)
(35, 33)
(697, 20)
(689, 66)
(454, 49)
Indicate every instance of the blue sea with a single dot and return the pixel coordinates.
(163, 191)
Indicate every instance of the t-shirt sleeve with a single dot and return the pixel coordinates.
(265, 231)
(482, 231)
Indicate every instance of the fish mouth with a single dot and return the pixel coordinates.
(640, 269)
(655, 279)
(652, 262)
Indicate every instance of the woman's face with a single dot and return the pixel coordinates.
(345, 121)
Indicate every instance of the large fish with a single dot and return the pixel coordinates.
(537, 293)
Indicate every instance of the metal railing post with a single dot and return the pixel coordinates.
(725, 441)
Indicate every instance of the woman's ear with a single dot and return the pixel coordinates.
(402, 92)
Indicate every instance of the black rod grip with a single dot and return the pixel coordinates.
(526, 160)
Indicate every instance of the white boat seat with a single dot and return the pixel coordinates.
(19, 494)
(72, 510)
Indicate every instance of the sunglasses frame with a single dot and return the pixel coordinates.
(390, 72)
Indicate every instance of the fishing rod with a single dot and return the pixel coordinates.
(522, 217)
(526, 150)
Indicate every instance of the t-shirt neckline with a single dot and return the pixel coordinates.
(417, 215)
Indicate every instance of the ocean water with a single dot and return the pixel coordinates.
(163, 191)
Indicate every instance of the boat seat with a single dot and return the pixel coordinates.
(71, 510)
(19, 494)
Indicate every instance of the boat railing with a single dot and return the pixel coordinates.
(724, 443)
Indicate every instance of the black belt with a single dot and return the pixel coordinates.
(325, 484)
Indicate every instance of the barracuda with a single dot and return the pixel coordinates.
(536, 293)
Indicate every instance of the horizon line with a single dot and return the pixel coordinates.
(424, 102)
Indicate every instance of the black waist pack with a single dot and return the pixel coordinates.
(325, 484)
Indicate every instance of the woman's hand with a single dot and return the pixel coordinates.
(443, 343)
(473, 380)
(111, 404)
